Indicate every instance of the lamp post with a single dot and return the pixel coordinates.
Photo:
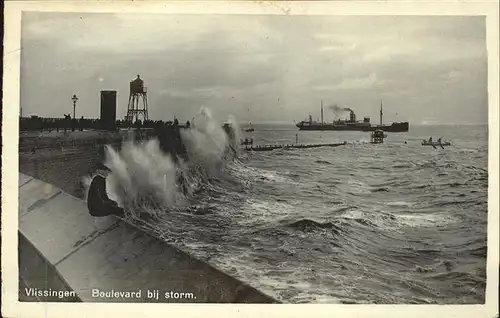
(74, 99)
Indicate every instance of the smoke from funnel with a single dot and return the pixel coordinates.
(337, 109)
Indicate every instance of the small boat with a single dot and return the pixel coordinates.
(435, 143)
(250, 127)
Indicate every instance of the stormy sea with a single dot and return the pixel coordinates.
(389, 223)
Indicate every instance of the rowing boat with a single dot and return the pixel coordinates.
(435, 143)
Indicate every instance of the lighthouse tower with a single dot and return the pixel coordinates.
(138, 94)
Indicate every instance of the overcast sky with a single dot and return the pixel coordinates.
(259, 68)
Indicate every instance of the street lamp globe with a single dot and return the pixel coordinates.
(74, 99)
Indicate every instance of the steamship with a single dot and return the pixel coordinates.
(351, 124)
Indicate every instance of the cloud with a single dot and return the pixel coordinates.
(339, 47)
(233, 63)
(353, 83)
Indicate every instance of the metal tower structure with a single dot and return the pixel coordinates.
(138, 93)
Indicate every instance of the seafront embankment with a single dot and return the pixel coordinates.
(63, 249)
(64, 159)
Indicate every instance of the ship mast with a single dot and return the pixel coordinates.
(381, 113)
(321, 112)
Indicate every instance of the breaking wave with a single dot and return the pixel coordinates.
(144, 179)
(318, 226)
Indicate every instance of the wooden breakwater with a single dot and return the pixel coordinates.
(290, 146)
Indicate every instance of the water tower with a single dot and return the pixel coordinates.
(138, 94)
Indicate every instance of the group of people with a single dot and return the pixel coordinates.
(439, 140)
(170, 139)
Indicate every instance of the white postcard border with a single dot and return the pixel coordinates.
(10, 167)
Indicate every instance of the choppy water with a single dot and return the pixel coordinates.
(390, 223)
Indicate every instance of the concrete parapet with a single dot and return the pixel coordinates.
(85, 254)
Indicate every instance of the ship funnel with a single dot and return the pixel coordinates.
(352, 116)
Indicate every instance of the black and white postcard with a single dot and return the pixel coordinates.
(304, 158)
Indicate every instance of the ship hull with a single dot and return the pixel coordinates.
(435, 143)
(395, 127)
